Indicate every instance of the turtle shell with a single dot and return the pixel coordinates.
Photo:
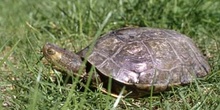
(143, 57)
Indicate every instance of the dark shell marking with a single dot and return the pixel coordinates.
(142, 57)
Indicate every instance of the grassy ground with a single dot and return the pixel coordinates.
(26, 25)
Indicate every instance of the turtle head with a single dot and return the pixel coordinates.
(61, 58)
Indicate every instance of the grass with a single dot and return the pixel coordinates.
(26, 25)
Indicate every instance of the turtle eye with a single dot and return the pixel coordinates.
(50, 51)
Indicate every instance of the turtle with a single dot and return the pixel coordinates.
(139, 60)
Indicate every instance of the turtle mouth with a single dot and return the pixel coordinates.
(45, 50)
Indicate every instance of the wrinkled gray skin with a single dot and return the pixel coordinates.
(139, 58)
